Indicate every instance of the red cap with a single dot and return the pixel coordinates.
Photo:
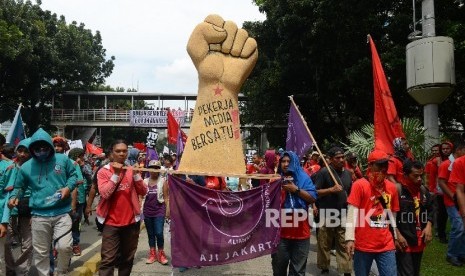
(378, 156)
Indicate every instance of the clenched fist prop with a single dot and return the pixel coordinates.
(224, 56)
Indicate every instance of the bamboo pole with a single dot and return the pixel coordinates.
(313, 140)
(253, 176)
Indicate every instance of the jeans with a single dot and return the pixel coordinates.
(456, 246)
(76, 229)
(154, 228)
(386, 262)
(292, 253)
(44, 231)
(116, 240)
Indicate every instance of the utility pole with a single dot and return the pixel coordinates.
(430, 69)
(430, 111)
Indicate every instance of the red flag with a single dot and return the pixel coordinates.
(93, 149)
(173, 128)
(387, 122)
(139, 146)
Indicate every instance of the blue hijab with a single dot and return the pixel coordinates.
(301, 179)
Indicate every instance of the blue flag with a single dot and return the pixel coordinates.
(16, 132)
(298, 138)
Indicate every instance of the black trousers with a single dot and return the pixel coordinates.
(442, 216)
(408, 264)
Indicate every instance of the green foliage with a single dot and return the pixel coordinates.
(362, 141)
(41, 56)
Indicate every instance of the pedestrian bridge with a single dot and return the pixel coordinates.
(115, 109)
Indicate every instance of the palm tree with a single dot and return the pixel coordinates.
(362, 141)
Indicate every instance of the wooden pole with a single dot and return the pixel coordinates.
(313, 139)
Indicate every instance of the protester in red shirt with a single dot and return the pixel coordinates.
(255, 167)
(456, 246)
(431, 169)
(352, 166)
(270, 165)
(401, 149)
(373, 203)
(119, 211)
(458, 177)
(414, 220)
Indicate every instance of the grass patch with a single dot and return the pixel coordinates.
(434, 261)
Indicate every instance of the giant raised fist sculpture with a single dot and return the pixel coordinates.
(224, 56)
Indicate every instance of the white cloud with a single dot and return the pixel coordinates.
(149, 37)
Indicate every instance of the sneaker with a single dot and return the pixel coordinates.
(152, 257)
(453, 261)
(162, 258)
(76, 250)
(332, 252)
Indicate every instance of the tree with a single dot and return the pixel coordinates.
(362, 141)
(41, 56)
(317, 51)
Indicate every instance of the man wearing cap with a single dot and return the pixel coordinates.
(370, 229)
(332, 198)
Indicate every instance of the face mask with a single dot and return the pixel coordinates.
(42, 154)
(376, 178)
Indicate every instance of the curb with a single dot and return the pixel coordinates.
(90, 267)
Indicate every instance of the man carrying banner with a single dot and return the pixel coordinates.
(332, 199)
(298, 192)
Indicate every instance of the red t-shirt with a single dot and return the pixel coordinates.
(457, 176)
(300, 231)
(215, 183)
(121, 212)
(395, 169)
(431, 170)
(372, 234)
(444, 173)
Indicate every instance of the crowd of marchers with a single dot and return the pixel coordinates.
(48, 190)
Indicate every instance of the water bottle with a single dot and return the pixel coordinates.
(53, 198)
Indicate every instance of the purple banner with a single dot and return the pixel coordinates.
(210, 227)
(298, 139)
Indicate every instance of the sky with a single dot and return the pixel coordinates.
(148, 37)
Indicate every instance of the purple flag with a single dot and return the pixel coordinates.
(16, 132)
(179, 147)
(298, 139)
(211, 227)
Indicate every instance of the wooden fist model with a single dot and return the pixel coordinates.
(224, 56)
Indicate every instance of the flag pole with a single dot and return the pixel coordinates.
(291, 97)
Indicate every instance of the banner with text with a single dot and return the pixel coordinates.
(211, 227)
(154, 118)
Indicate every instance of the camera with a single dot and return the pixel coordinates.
(288, 179)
